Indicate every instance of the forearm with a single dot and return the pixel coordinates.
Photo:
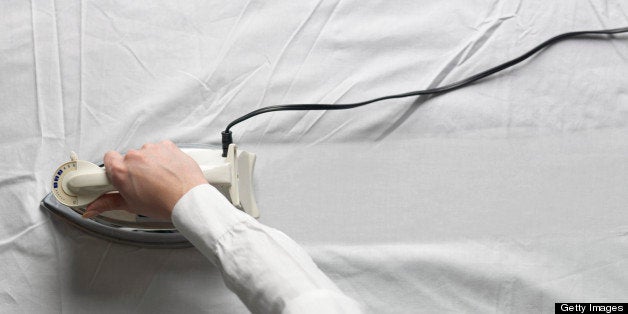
(268, 271)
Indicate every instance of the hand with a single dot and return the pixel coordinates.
(150, 181)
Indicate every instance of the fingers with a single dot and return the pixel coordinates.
(168, 144)
(115, 167)
(148, 146)
(135, 155)
(112, 201)
(165, 143)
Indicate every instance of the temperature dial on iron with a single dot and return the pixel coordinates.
(77, 183)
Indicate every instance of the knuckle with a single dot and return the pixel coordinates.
(132, 154)
(168, 143)
(148, 146)
(117, 169)
(108, 156)
(117, 174)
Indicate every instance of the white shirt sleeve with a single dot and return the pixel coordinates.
(268, 271)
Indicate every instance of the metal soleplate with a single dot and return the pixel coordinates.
(150, 238)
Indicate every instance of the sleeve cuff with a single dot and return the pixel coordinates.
(203, 215)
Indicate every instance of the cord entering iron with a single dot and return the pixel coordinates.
(227, 139)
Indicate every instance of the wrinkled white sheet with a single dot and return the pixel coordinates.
(506, 196)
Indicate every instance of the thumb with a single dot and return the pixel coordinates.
(107, 202)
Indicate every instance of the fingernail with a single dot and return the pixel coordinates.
(90, 214)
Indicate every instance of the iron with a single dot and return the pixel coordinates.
(77, 183)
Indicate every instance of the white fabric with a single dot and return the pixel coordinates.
(506, 196)
(264, 267)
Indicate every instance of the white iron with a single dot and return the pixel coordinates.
(78, 183)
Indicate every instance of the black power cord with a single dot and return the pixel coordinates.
(227, 135)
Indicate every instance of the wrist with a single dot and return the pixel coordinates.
(173, 198)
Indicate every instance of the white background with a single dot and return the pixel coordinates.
(506, 196)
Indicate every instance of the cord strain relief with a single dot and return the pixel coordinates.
(227, 139)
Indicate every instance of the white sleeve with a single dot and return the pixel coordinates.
(268, 271)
